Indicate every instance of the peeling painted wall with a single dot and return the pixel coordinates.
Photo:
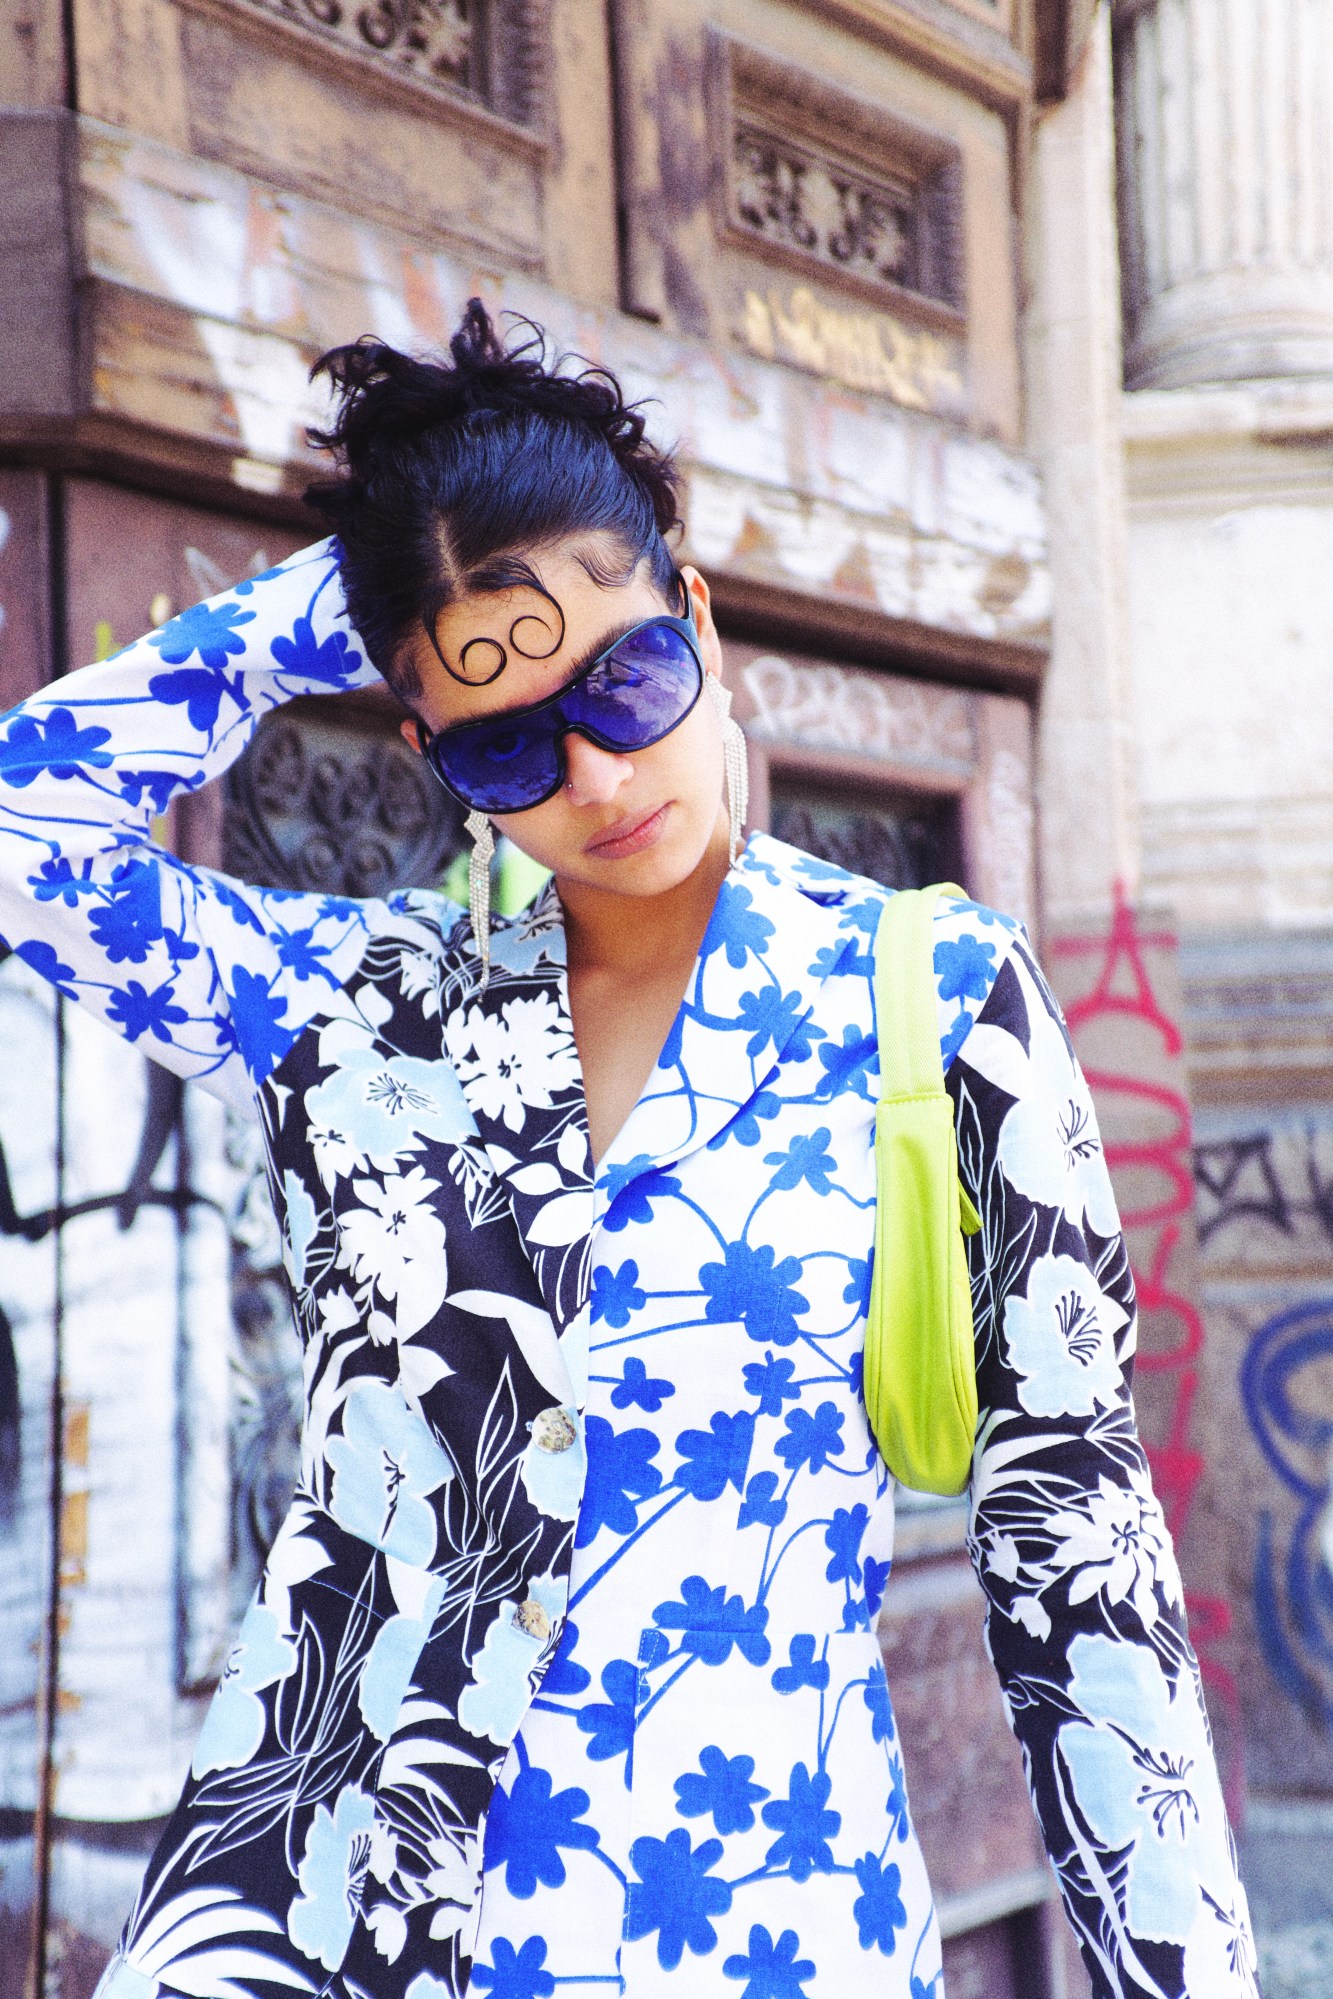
(211, 296)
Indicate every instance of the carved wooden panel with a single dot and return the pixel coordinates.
(818, 194)
(836, 182)
(487, 52)
(871, 228)
(439, 40)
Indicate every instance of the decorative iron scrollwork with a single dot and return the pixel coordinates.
(327, 801)
(904, 848)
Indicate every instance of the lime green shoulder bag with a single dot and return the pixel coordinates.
(920, 1359)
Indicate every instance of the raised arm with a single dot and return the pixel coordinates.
(208, 976)
(1085, 1617)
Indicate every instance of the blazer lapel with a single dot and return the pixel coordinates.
(513, 1049)
(781, 925)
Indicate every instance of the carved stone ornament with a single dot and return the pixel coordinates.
(823, 179)
(337, 802)
(434, 38)
(789, 195)
(486, 54)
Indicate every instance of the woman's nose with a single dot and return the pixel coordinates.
(593, 776)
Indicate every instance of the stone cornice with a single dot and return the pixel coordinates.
(1231, 444)
(944, 39)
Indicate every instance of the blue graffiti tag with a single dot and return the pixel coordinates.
(1293, 1600)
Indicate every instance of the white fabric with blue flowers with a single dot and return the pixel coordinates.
(563, 1671)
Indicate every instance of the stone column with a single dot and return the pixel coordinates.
(1224, 112)
(1087, 809)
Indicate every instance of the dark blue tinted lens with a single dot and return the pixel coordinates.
(639, 692)
(501, 766)
(633, 697)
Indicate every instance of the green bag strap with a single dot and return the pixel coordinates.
(920, 1360)
(905, 1012)
(907, 1021)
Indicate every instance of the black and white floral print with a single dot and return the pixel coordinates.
(562, 1671)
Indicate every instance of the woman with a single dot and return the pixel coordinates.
(563, 1668)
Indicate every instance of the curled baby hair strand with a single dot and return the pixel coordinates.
(451, 470)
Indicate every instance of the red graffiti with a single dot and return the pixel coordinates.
(1124, 987)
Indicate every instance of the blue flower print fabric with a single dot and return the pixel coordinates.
(562, 1673)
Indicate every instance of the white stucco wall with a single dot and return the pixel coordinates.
(1231, 644)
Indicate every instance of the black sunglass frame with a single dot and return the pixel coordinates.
(685, 627)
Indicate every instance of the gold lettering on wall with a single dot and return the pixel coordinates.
(862, 350)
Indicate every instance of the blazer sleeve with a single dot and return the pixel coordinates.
(212, 978)
(1085, 1611)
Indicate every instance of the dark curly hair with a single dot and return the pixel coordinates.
(452, 470)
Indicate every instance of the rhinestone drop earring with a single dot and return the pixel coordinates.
(479, 887)
(735, 763)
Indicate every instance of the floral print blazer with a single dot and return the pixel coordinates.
(563, 1667)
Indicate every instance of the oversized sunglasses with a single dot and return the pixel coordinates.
(634, 693)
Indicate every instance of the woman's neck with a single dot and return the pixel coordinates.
(630, 959)
(635, 937)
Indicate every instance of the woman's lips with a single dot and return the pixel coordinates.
(616, 845)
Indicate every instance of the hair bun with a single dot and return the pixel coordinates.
(449, 463)
(385, 399)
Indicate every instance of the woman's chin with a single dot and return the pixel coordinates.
(665, 862)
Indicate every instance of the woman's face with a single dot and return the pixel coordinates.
(637, 824)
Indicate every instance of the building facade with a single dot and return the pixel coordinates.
(863, 254)
(1225, 126)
